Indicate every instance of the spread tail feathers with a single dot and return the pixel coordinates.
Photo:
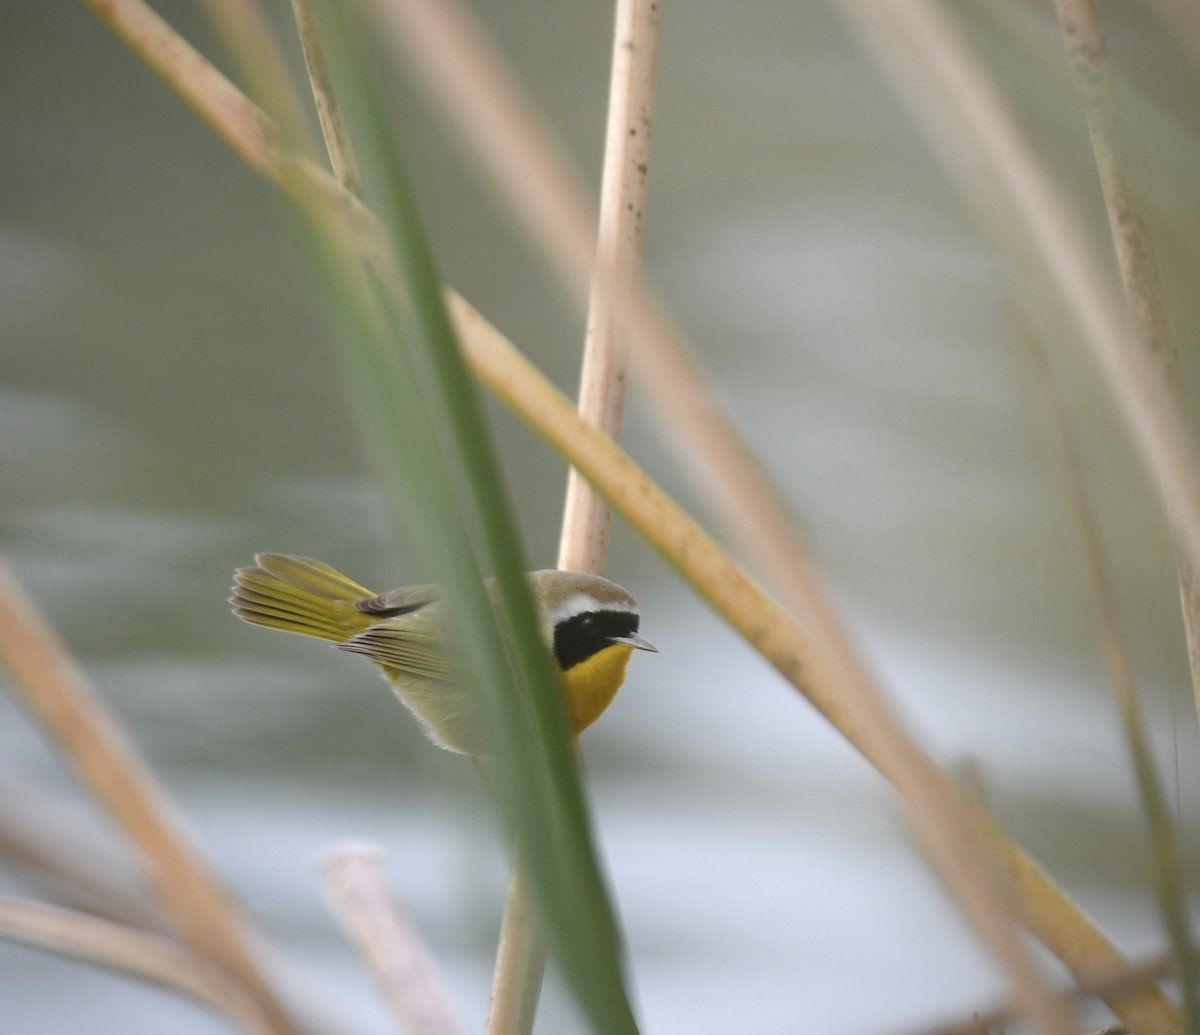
(299, 595)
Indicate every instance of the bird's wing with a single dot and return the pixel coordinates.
(412, 651)
(398, 602)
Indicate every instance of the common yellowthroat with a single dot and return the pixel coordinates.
(590, 626)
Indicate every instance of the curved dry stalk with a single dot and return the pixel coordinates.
(148, 957)
(389, 941)
(58, 694)
(1048, 913)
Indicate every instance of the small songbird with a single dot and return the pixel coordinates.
(590, 626)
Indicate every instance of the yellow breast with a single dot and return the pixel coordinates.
(592, 684)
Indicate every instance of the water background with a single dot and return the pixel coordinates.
(170, 403)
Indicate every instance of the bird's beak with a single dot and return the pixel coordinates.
(636, 642)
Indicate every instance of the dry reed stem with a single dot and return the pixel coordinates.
(389, 941)
(148, 957)
(329, 110)
(58, 694)
(1137, 257)
(968, 121)
(520, 957)
(1050, 915)
(520, 962)
(615, 272)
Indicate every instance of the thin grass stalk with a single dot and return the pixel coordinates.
(1051, 916)
(520, 961)
(520, 957)
(58, 694)
(138, 954)
(1168, 870)
(329, 109)
(615, 271)
(964, 115)
(389, 941)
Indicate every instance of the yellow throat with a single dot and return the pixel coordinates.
(591, 685)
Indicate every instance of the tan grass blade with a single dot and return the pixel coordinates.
(59, 695)
(147, 957)
(389, 942)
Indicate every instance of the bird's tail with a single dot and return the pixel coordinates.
(299, 595)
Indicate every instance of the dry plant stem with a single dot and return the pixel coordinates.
(520, 958)
(1051, 917)
(148, 957)
(615, 271)
(1135, 251)
(389, 942)
(520, 962)
(794, 652)
(57, 692)
(329, 111)
(965, 116)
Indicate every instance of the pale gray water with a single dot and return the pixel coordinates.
(169, 405)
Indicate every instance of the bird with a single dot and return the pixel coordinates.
(589, 625)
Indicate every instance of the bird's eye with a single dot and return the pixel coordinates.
(590, 623)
